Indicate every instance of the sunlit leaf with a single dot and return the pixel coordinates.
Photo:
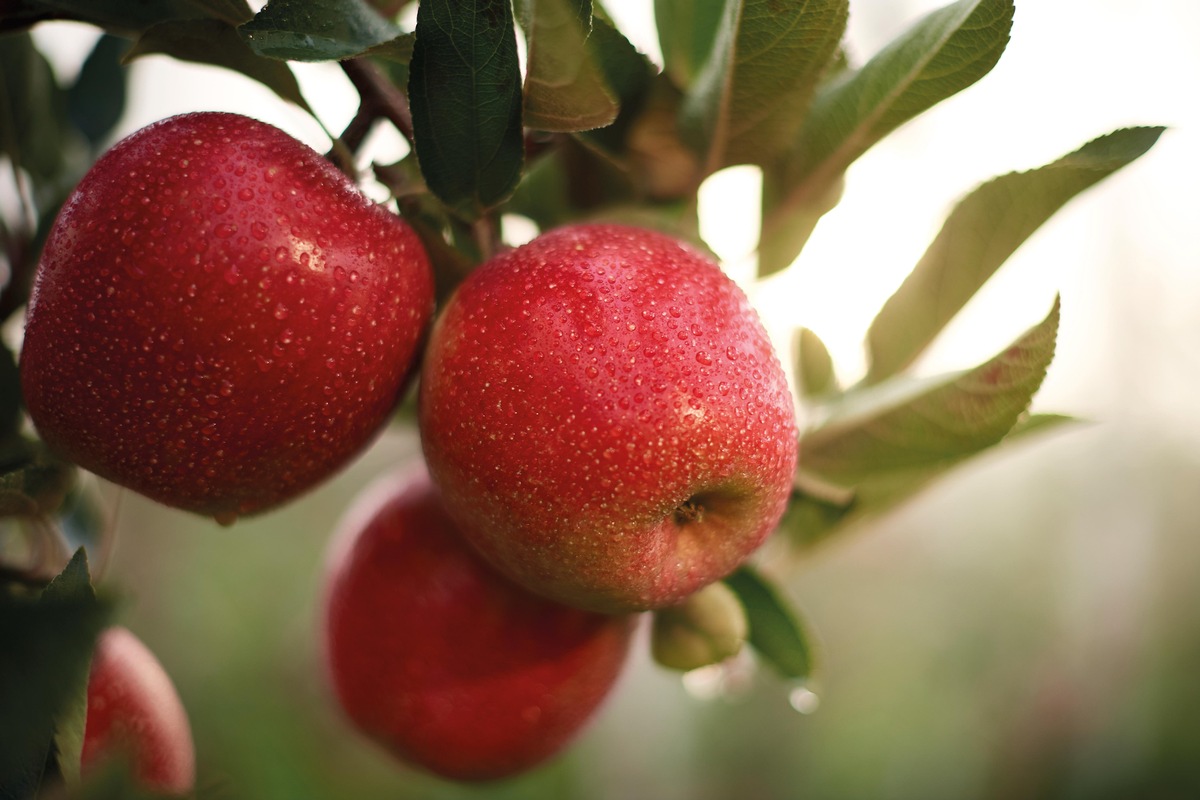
(465, 90)
(210, 41)
(978, 236)
(942, 54)
(776, 631)
(750, 99)
(884, 443)
(686, 31)
(316, 30)
(814, 367)
(565, 89)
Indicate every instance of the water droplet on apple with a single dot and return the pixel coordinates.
(220, 205)
(245, 194)
(703, 358)
(281, 312)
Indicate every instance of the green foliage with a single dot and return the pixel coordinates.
(316, 30)
(48, 639)
(939, 56)
(591, 130)
(880, 444)
(749, 100)
(776, 631)
(465, 88)
(979, 235)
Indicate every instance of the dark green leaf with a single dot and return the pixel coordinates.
(10, 395)
(565, 89)
(749, 101)
(686, 32)
(48, 643)
(776, 632)
(942, 54)
(465, 90)
(210, 41)
(32, 109)
(316, 30)
(96, 100)
(979, 235)
(122, 17)
(814, 370)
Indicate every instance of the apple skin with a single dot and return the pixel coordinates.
(607, 419)
(446, 664)
(134, 712)
(220, 320)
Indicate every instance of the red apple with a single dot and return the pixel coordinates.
(220, 320)
(134, 712)
(443, 662)
(605, 415)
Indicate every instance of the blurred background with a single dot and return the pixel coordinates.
(1028, 628)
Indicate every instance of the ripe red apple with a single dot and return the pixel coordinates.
(134, 712)
(445, 663)
(606, 418)
(220, 320)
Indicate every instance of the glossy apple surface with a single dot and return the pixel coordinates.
(135, 713)
(443, 662)
(606, 418)
(220, 320)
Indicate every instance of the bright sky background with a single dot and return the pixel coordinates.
(1124, 256)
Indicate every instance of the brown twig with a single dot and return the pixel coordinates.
(380, 97)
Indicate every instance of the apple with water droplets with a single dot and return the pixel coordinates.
(606, 417)
(220, 319)
(446, 664)
(134, 713)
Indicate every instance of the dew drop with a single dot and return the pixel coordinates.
(703, 358)
(245, 194)
(220, 205)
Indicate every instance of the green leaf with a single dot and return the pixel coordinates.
(814, 368)
(48, 642)
(32, 109)
(747, 104)
(812, 519)
(96, 100)
(122, 17)
(776, 631)
(210, 41)
(979, 235)
(565, 89)
(686, 32)
(316, 30)
(10, 395)
(465, 91)
(628, 73)
(882, 444)
(939, 56)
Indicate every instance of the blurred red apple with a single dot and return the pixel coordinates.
(220, 320)
(442, 661)
(134, 712)
(606, 418)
